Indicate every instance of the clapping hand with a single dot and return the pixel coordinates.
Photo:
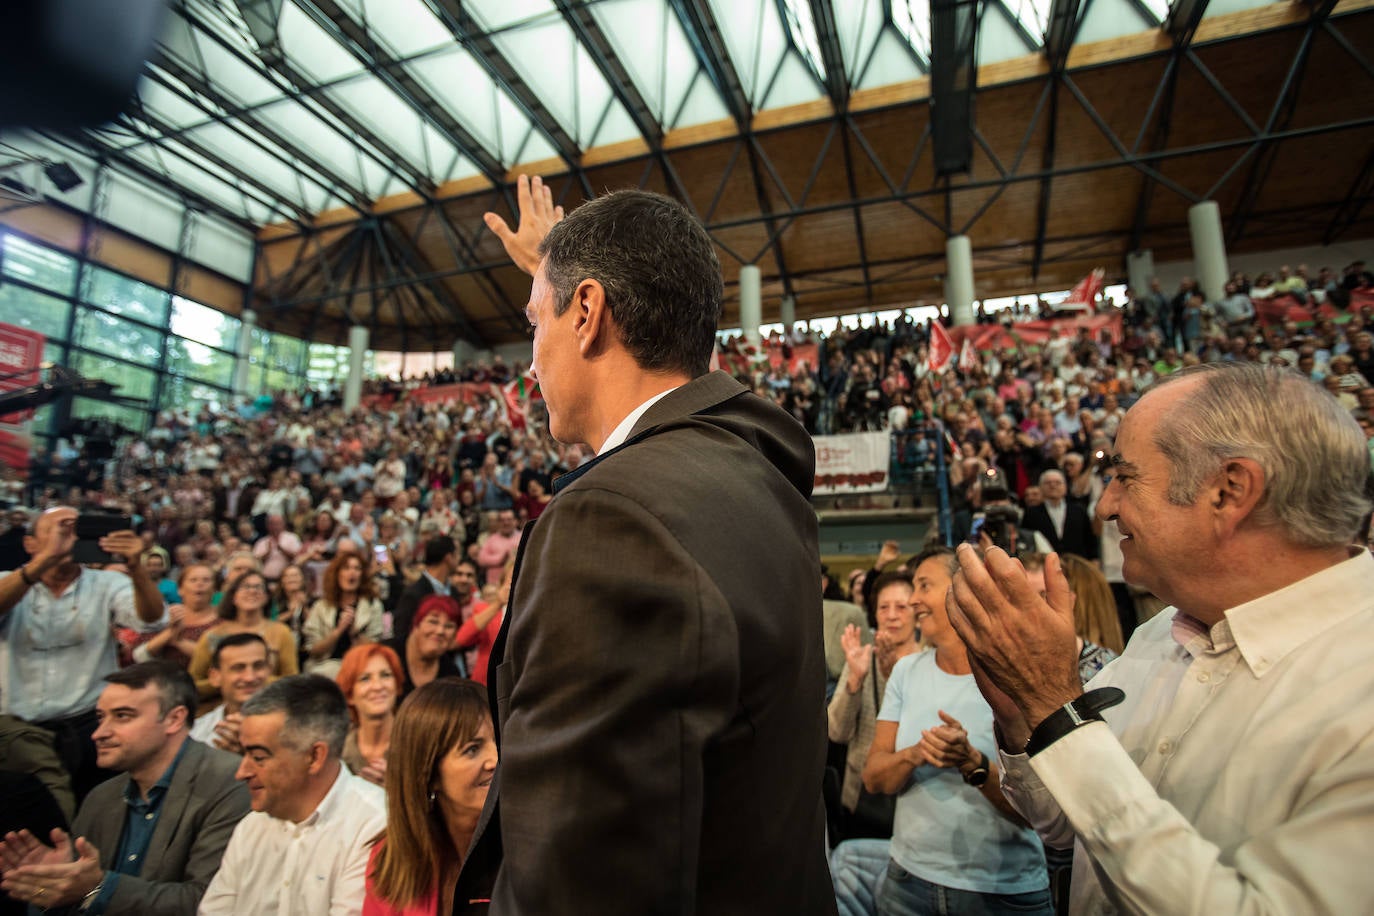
(1022, 648)
(947, 744)
(375, 771)
(858, 658)
(48, 876)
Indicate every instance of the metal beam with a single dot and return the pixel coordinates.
(415, 263)
(996, 181)
(832, 56)
(699, 23)
(273, 195)
(594, 41)
(202, 85)
(1059, 35)
(99, 151)
(1280, 116)
(470, 34)
(1348, 213)
(356, 39)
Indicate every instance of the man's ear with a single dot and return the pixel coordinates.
(319, 756)
(593, 319)
(1235, 492)
(215, 677)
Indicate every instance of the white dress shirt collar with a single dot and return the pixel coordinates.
(1267, 628)
(622, 430)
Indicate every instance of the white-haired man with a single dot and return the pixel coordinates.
(1225, 763)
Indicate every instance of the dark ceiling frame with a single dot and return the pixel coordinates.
(1280, 116)
(714, 61)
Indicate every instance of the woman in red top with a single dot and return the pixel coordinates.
(481, 628)
(442, 760)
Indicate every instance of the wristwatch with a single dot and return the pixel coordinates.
(1073, 714)
(977, 776)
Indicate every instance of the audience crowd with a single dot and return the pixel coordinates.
(372, 550)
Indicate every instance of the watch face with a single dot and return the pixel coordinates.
(977, 777)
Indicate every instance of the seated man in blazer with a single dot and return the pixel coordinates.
(1067, 526)
(149, 841)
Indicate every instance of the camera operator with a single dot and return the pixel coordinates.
(996, 521)
(56, 639)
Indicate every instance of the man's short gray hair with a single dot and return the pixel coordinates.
(1311, 450)
(314, 708)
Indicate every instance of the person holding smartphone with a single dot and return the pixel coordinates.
(56, 639)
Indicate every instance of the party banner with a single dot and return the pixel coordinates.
(852, 463)
(21, 356)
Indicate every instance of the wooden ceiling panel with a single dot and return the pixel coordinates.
(1115, 94)
(1010, 219)
(822, 241)
(893, 231)
(1292, 182)
(1094, 202)
(794, 153)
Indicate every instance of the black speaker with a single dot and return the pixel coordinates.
(953, 79)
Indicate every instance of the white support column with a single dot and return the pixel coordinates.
(788, 313)
(463, 352)
(959, 279)
(1209, 248)
(750, 303)
(357, 348)
(1140, 267)
(247, 322)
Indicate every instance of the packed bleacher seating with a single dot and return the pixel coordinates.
(288, 523)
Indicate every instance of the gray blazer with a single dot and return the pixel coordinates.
(203, 805)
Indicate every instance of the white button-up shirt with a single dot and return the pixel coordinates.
(1238, 775)
(55, 650)
(316, 867)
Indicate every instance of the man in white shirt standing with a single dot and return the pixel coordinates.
(303, 850)
(1225, 763)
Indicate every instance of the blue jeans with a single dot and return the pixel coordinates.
(904, 894)
(856, 868)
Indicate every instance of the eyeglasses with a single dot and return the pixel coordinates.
(252, 587)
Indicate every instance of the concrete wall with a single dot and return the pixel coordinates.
(1316, 257)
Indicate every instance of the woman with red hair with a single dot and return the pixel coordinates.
(427, 653)
(370, 678)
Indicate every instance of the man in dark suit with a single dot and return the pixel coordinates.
(441, 559)
(1067, 526)
(660, 694)
(147, 843)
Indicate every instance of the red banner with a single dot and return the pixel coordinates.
(941, 347)
(21, 358)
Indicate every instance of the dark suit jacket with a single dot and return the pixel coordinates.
(1078, 535)
(661, 698)
(404, 616)
(203, 806)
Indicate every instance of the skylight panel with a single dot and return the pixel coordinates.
(1160, 9)
(801, 26)
(311, 48)
(1034, 16)
(407, 27)
(912, 19)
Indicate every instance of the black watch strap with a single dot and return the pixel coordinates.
(1086, 708)
(977, 776)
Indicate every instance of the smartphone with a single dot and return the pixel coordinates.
(380, 553)
(90, 528)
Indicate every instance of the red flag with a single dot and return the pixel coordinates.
(968, 357)
(941, 347)
(1084, 295)
(514, 395)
